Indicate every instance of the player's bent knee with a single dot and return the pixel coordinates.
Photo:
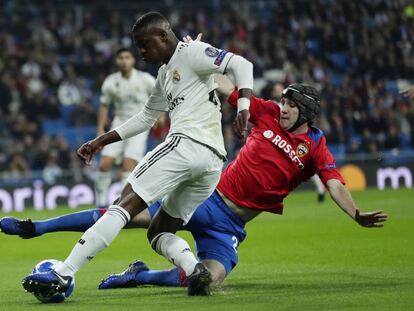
(131, 202)
(163, 222)
(217, 270)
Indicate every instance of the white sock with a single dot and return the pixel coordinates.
(176, 250)
(318, 184)
(95, 239)
(124, 178)
(102, 183)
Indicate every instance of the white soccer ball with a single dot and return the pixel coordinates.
(45, 266)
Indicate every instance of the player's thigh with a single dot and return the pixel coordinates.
(136, 147)
(217, 270)
(160, 171)
(131, 201)
(128, 165)
(113, 151)
(183, 201)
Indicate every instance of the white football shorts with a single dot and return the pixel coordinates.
(181, 172)
(132, 148)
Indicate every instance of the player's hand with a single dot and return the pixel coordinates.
(409, 92)
(370, 219)
(188, 39)
(88, 150)
(240, 124)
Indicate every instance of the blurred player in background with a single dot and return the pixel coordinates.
(127, 89)
(256, 181)
(409, 92)
(183, 171)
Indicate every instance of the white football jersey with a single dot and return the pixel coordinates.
(186, 89)
(128, 95)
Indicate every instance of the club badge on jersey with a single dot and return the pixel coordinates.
(176, 76)
(302, 149)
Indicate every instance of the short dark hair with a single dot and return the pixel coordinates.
(123, 49)
(149, 19)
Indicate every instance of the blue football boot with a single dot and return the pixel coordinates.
(126, 278)
(46, 284)
(14, 226)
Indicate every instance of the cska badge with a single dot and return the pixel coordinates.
(302, 150)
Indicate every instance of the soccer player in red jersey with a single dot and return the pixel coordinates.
(282, 150)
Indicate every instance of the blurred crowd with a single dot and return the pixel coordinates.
(55, 55)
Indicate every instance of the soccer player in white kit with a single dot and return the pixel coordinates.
(183, 171)
(127, 89)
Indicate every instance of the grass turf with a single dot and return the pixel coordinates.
(312, 258)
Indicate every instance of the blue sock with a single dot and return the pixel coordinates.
(173, 277)
(80, 221)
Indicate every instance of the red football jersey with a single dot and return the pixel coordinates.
(273, 161)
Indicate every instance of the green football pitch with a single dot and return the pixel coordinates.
(312, 258)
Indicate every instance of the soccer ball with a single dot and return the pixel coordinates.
(45, 266)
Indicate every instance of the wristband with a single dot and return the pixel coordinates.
(243, 103)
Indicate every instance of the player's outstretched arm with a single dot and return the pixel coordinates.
(89, 149)
(341, 195)
(139, 123)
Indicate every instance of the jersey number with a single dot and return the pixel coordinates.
(235, 244)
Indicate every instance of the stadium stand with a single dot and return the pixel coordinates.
(55, 55)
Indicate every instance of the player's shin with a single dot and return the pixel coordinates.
(176, 250)
(95, 239)
(80, 221)
(173, 277)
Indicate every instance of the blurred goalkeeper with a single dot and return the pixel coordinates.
(283, 150)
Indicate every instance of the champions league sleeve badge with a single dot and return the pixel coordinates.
(211, 52)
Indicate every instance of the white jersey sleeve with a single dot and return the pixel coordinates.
(205, 59)
(139, 123)
(106, 93)
(157, 100)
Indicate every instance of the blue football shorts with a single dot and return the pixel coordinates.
(216, 229)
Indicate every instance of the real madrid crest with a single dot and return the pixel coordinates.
(176, 76)
(302, 150)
